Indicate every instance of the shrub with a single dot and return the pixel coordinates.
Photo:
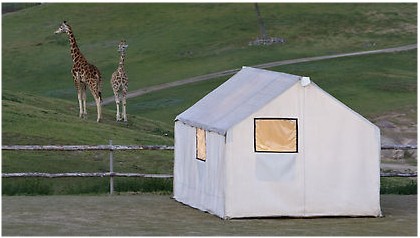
(404, 186)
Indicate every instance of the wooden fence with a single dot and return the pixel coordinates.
(113, 174)
(111, 148)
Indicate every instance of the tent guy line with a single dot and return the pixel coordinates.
(145, 90)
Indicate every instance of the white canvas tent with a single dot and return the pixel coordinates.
(266, 143)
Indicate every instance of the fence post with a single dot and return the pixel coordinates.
(111, 169)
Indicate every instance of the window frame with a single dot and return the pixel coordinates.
(279, 119)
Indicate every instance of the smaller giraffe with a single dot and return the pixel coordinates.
(119, 81)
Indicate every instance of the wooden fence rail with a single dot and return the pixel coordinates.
(86, 147)
(399, 147)
(116, 174)
(75, 174)
(137, 147)
(398, 174)
(113, 174)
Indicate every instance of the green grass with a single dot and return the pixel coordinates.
(31, 119)
(169, 42)
(403, 186)
(166, 104)
(370, 85)
(13, 7)
(68, 186)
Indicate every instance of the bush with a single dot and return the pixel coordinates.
(397, 185)
(69, 186)
(145, 185)
(26, 186)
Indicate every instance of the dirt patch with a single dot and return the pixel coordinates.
(155, 215)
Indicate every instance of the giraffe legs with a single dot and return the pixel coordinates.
(98, 108)
(84, 111)
(117, 102)
(124, 111)
(79, 89)
(124, 101)
(81, 96)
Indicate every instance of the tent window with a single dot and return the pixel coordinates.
(276, 135)
(200, 144)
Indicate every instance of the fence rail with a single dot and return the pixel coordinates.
(398, 174)
(76, 174)
(113, 174)
(399, 147)
(138, 147)
(86, 147)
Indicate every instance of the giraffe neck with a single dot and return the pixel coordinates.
(122, 58)
(75, 52)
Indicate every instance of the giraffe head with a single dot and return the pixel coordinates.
(64, 28)
(122, 46)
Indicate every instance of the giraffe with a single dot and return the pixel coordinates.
(119, 81)
(84, 74)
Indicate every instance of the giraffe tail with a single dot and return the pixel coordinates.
(100, 96)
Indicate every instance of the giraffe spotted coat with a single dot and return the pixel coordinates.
(84, 74)
(119, 83)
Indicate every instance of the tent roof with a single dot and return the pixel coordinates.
(233, 101)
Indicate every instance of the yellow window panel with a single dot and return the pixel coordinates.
(201, 144)
(276, 135)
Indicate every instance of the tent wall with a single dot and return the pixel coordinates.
(342, 158)
(264, 184)
(199, 183)
(335, 172)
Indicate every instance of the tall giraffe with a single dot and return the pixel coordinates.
(84, 74)
(119, 81)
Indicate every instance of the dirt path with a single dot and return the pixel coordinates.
(398, 167)
(158, 215)
(195, 79)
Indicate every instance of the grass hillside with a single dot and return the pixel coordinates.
(371, 85)
(169, 42)
(32, 119)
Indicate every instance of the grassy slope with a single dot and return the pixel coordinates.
(169, 42)
(370, 85)
(172, 41)
(30, 119)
